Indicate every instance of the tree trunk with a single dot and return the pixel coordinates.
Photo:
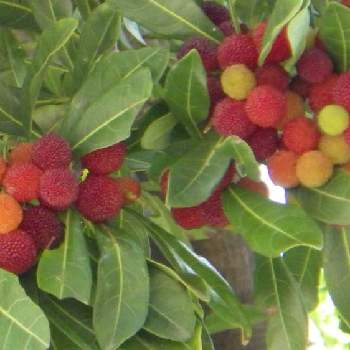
(230, 255)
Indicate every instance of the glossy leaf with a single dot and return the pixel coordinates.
(186, 92)
(252, 12)
(277, 290)
(270, 228)
(330, 203)
(22, 323)
(65, 272)
(174, 19)
(15, 15)
(122, 295)
(334, 29)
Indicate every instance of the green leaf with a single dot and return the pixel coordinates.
(305, 265)
(270, 228)
(109, 117)
(276, 289)
(334, 29)
(23, 325)
(84, 8)
(171, 315)
(233, 14)
(50, 43)
(207, 342)
(122, 296)
(70, 324)
(283, 12)
(99, 33)
(174, 19)
(65, 272)
(194, 176)
(49, 117)
(157, 135)
(17, 16)
(252, 12)
(320, 5)
(330, 203)
(186, 92)
(336, 264)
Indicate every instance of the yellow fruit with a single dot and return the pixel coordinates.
(333, 120)
(335, 148)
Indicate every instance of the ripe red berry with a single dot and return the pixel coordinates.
(18, 252)
(51, 151)
(213, 211)
(43, 226)
(264, 142)
(266, 106)
(346, 2)
(100, 198)
(189, 218)
(215, 91)
(207, 51)
(22, 182)
(58, 188)
(315, 66)
(164, 180)
(238, 49)
(341, 91)
(321, 94)
(301, 135)
(106, 160)
(227, 178)
(216, 12)
(130, 188)
(227, 28)
(273, 75)
(22, 153)
(230, 118)
(300, 86)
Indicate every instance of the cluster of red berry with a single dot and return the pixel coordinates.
(38, 183)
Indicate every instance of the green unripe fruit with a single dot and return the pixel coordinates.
(333, 120)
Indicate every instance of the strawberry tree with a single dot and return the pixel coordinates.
(132, 128)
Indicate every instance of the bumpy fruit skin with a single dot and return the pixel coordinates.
(216, 12)
(264, 143)
(301, 135)
(333, 120)
(230, 118)
(188, 218)
(300, 87)
(335, 148)
(341, 91)
(315, 66)
(238, 49)
(3, 168)
(213, 211)
(106, 160)
(238, 81)
(18, 252)
(22, 182)
(207, 51)
(314, 169)
(227, 28)
(227, 178)
(51, 151)
(22, 153)
(266, 106)
(295, 108)
(130, 188)
(273, 75)
(321, 94)
(215, 91)
(254, 186)
(11, 213)
(58, 189)
(43, 226)
(100, 198)
(280, 50)
(282, 169)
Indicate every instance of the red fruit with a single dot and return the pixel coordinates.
(3, 168)
(227, 178)
(215, 91)
(315, 66)
(22, 153)
(301, 87)
(188, 218)
(100, 198)
(238, 49)
(106, 160)
(51, 151)
(266, 106)
(280, 50)
(273, 75)
(213, 211)
(346, 2)
(301, 135)
(254, 186)
(18, 252)
(43, 226)
(130, 188)
(264, 142)
(58, 188)
(230, 118)
(341, 91)
(207, 51)
(22, 182)
(321, 94)
(216, 12)
(164, 180)
(227, 28)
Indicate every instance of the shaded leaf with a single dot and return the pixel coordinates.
(49, 117)
(252, 12)
(15, 15)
